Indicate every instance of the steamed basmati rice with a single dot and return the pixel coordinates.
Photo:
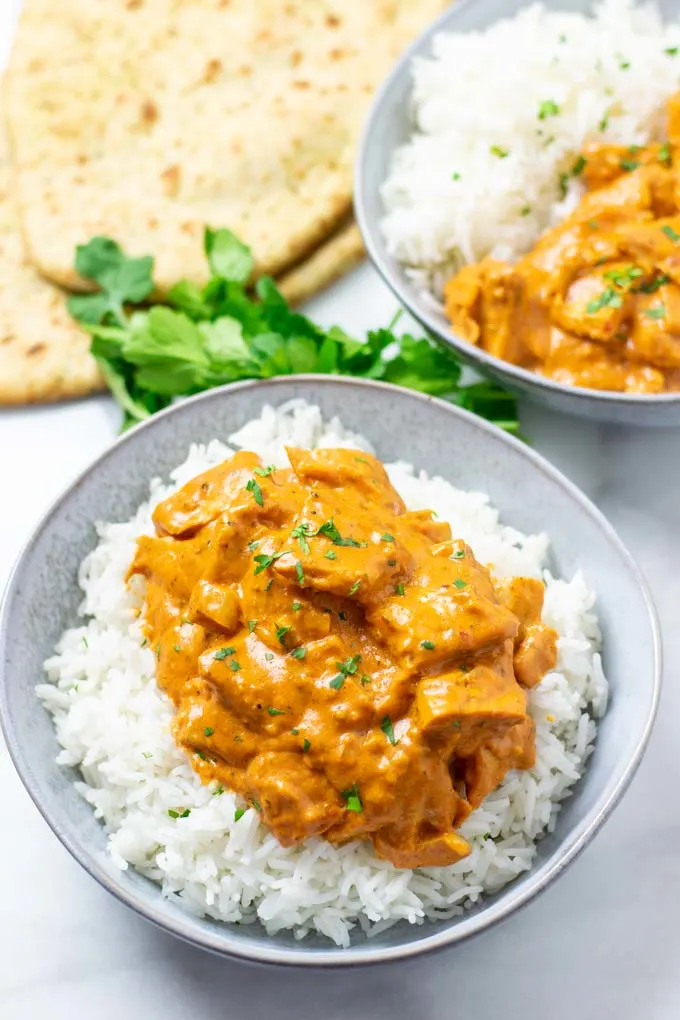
(114, 725)
(499, 117)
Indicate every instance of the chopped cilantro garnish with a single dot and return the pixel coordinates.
(391, 563)
(173, 814)
(330, 531)
(548, 108)
(355, 588)
(665, 154)
(670, 233)
(176, 648)
(496, 150)
(295, 731)
(352, 799)
(300, 573)
(337, 682)
(460, 583)
(253, 487)
(297, 606)
(671, 51)
(387, 537)
(331, 555)
(269, 584)
(399, 589)
(263, 562)
(299, 653)
(608, 298)
(269, 656)
(253, 546)
(281, 635)
(629, 164)
(428, 645)
(239, 813)
(653, 285)
(252, 624)
(256, 805)
(655, 313)
(302, 532)
(579, 166)
(455, 176)
(459, 554)
(386, 727)
(305, 745)
(222, 653)
(234, 666)
(275, 711)
(263, 472)
(209, 731)
(364, 679)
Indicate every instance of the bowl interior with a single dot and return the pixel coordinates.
(42, 599)
(389, 126)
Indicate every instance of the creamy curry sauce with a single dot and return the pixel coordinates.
(341, 663)
(596, 303)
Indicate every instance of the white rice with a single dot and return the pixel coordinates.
(114, 725)
(608, 74)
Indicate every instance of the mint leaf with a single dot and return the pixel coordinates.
(228, 257)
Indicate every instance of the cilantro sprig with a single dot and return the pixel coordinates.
(200, 338)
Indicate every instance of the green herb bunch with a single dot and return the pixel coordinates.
(201, 338)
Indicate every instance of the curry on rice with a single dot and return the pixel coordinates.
(343, 664)
(596, 303)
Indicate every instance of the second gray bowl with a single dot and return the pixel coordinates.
(389, 125)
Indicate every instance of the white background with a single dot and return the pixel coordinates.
(603, 942)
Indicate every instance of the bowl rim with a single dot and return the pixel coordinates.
(222, 942)
(393, 274)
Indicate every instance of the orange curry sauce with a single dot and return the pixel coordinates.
(341, 663)
(596, 303)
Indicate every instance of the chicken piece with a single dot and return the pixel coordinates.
(205, 497)
(461, 702)
(446, 611)
(295, 801)
(487, 766)
(462, 299)
(535, 644)
(655, 336)
(596, 304)
(357, 471)
(216, 603)
(501, 298)
(605, 162)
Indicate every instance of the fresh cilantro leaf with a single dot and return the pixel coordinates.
(228, 257)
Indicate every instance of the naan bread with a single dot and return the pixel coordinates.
(43, 355)
(146, 119)
(341, 253)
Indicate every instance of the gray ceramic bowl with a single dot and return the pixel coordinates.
(389, 125)
(42, 597)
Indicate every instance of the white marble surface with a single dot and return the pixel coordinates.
(603, 942)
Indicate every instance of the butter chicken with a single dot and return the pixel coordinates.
(596, 303)
(340, 662)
